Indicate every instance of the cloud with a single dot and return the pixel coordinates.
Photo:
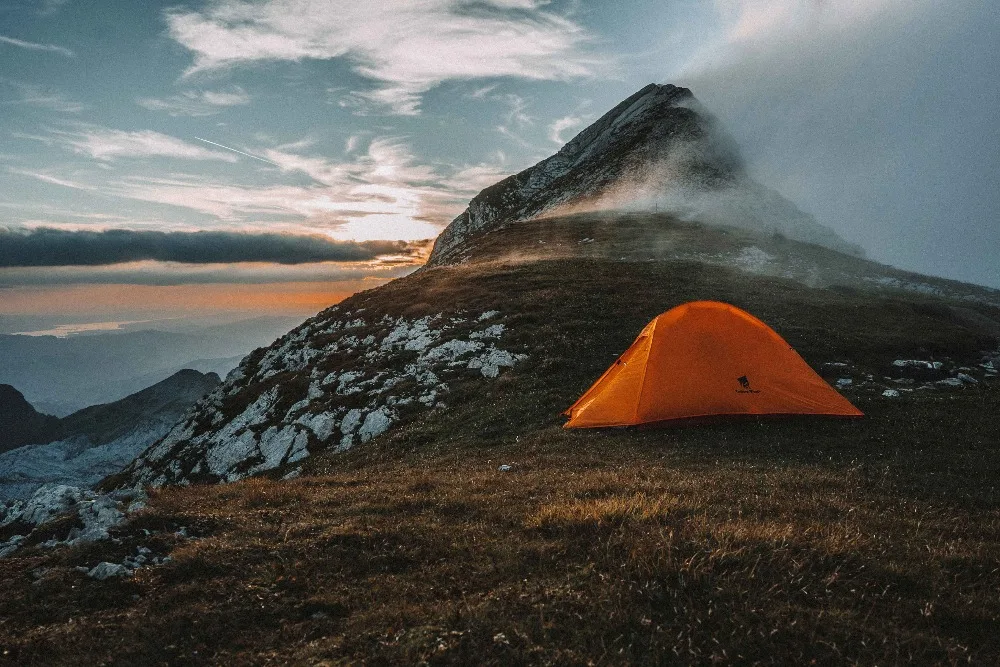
(50, 7)
(222, 200)
(196, 103)
(378, 191)
(35, 46)
(161, 274)
(406, 47)
(48, 178)
(107, 144)
(516, 118)
(877, 117)
(57, 247)
(481, 92)
(40, 96)
(351, 144)
(560, 125)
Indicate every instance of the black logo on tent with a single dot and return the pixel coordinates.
(745, 386)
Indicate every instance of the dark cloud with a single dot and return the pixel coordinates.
(57, 247)
(161, 275)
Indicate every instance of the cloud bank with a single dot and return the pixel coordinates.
(56, 247)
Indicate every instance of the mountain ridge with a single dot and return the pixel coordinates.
(63, 375)
(99, 440)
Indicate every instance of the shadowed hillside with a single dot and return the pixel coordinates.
(21, 424)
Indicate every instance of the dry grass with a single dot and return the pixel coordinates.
(621, 547)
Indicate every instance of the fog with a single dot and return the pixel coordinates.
(881, 119)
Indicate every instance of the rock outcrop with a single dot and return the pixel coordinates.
(342, 378)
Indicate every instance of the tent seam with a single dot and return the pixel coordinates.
(645, 367)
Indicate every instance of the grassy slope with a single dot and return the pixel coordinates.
(872, 541)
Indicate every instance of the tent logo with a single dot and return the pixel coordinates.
(745, 386)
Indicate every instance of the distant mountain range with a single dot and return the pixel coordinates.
(87, 445)
(61, 375)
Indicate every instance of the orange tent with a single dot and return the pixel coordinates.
(701, 359)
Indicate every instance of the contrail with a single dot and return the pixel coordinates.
(236, 151)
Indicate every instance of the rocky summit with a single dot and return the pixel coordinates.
(657, 149)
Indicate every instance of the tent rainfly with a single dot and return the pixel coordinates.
(704, 359)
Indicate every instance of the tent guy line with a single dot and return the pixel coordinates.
(255, 157)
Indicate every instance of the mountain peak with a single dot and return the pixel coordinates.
(659, 148)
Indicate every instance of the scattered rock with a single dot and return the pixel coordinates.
(890, 393)
(351, 421)
(359, 385)
(917, 363)
(376, 423)
(107, 570)
(490, 363)
(11, 545)
(493, 331)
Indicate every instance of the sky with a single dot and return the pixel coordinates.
(153, 155)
